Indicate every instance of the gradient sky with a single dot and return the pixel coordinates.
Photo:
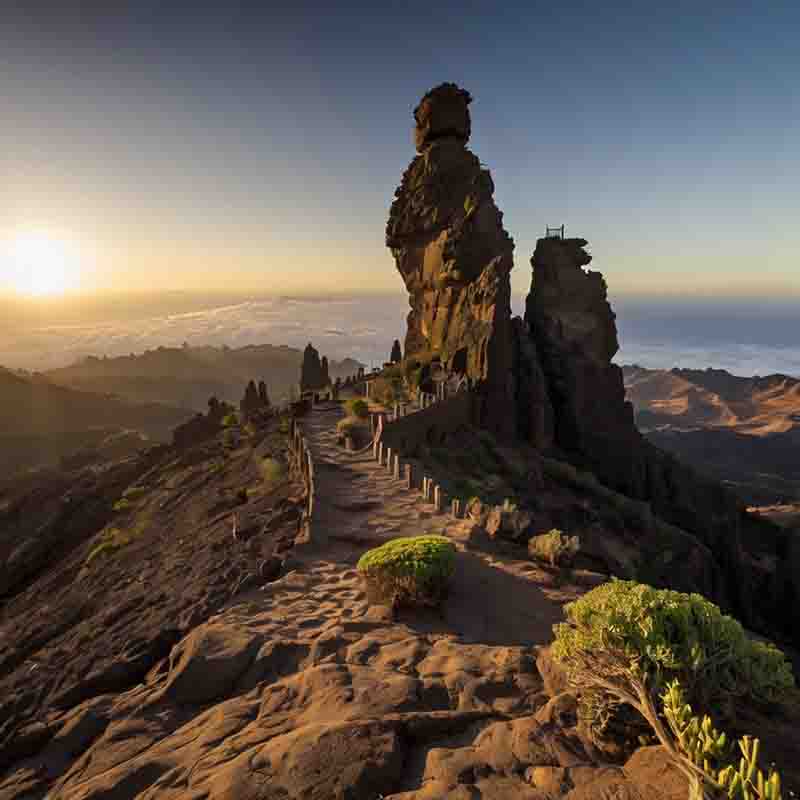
(189, 145)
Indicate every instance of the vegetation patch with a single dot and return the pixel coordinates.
(554, 547)
(230, 420)
(272, 470)
(413, 570)
(113, 539)
(357, 407)
(628, 644)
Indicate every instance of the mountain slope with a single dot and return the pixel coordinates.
(743, 431)
(188, 376)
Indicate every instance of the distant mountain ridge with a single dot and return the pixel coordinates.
(187, 376)
(744, 431)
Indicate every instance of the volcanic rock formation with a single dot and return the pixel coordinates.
(573, 327)
(578, 397)
(446, 235)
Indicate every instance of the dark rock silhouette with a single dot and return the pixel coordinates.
(447, 238)
(263, 395)
(397, 354)
(326, 377)
(250, 403)
(313, 375)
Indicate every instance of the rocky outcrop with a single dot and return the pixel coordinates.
(448, 241)
(313, 373)
(580, 394)
(575, 336)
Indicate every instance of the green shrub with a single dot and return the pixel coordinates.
(413, 570)
(659, 635)
(122, 504)
(134, 492)
(357, 407)
(229, 420)
(283, 425)
(111, 540)
(272, 470)
(703, 750)
(624, 643)
(554, 547)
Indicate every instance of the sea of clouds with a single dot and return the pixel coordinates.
(745, 340)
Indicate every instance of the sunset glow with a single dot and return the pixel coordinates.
(41, 265)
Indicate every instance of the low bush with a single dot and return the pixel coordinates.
(554, 547)
(123, 504)
(272, 470)
(134, 492)
(357, 407)
(625, 643)
(113, 539)
(413, 570)
(230, 420)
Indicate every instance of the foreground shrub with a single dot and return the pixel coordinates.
(627, 633)
(357, 407)
(413, 570)
(554, 547)
(624, 643)
(703, 750)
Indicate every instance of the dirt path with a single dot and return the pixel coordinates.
(494, 600)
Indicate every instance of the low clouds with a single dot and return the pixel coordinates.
(364, 328)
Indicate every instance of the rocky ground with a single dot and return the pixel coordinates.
(299, 688)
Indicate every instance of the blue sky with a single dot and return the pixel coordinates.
(202, 147)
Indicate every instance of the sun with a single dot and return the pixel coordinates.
(41, 265)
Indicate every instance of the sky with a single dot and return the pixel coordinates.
(167, 146)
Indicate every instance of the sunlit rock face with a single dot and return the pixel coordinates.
(448, 241)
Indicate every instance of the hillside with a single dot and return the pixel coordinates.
(743, 431)
(186, 377)
(183, 661)
(41, 422)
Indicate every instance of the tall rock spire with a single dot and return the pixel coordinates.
(448, 241)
